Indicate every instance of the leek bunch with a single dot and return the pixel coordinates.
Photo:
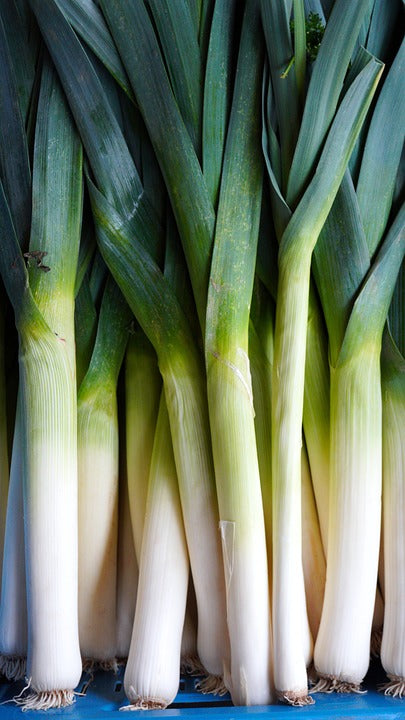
(202, 242)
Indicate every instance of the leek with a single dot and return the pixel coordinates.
(13, 605)
(229, 384)
(295, 252)
(342, 656)
(98, 483)
(49, 402)
(393, 422)
(193, 140)
(15, 174)
(316, 389)
(183, 380)
(118, 220)
(4, 459)
(344, 661)
(48, 381)
(152, 685)
(152, 673)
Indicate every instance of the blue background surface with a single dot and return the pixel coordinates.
(105, 695)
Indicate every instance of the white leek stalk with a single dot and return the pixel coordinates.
(393, 400)
(313, 557)
(153, 668)
(4, 460)
(98, 483)
(342, 653)
(127, 572)
(13, 605)
(50, 511)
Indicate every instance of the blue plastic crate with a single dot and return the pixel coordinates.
(104, 695)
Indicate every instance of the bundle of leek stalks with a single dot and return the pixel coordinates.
(202, 405)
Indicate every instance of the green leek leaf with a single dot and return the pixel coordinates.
(324, 89)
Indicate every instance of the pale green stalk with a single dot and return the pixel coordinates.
(316, 409)
(261, 387)
(127, 565)
(313, 557)
(143, 384)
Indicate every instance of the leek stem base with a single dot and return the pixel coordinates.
(296, 698)
(91, 665)
(192, 665)
(45, 700)
(211, 685)
(13, 667)
(140, 703)
(331, 683)
(395, 687)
